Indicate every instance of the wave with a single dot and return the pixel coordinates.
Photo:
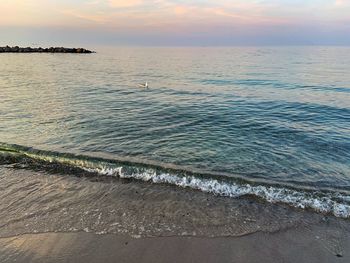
(328, 202)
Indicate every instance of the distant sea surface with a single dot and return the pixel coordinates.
(272, 122)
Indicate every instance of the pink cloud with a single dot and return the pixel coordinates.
(124, 3)
(180, 10)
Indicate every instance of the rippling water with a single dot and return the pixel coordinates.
(277, 119)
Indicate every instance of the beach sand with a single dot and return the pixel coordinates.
(132, 221)
(293, 245)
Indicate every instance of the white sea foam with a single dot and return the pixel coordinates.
(335, 203)
(321, 202)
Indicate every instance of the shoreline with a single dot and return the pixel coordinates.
(58, 218)
(292, 245)
(318, 200)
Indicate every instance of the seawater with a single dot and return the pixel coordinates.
(272, 122)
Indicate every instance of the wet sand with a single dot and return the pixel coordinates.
(131, 221)
(293, 245)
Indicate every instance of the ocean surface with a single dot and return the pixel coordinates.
(272, 123)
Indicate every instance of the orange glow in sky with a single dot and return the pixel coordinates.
(134, 17)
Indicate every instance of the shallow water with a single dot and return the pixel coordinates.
(41, 202)
(259, 116)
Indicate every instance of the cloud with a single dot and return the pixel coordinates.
(124, 3)
(342, 2)
(179, 17)
(97, 18)
(181, 10)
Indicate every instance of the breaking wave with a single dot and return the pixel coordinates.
(324, 201)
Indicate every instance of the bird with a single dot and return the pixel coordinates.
(144, 85)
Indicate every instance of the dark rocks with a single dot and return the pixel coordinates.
(17, 49)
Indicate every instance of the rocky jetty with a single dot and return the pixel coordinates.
(17, 49)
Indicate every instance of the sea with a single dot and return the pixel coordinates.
(223, 141)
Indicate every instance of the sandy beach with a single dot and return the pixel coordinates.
(135, 221)
(294, 245)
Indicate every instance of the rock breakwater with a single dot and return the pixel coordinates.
(17, 49)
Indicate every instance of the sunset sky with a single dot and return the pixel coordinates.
(175, 22)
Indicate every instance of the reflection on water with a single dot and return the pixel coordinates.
(271, 113)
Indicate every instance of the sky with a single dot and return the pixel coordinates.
(175, 22)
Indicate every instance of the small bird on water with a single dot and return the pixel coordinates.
(144, 85)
